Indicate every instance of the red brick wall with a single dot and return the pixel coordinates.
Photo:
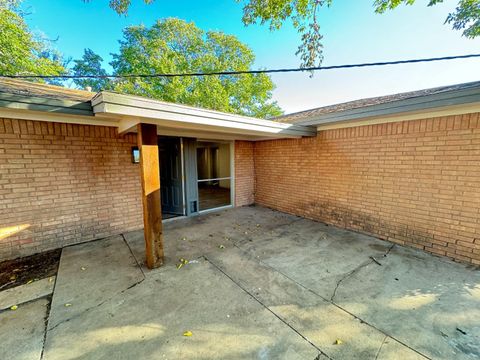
(64, 184)
(415, 183)
(244, 173)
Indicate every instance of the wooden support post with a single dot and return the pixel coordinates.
(152, 212)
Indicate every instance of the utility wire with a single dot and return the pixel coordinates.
(242, 72)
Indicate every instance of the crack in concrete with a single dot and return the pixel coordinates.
(347, 275)
(380, 347)
(133, 255)
(49, 309)
(268, 309)
(45, 328)
(333, 303)
(8, 309)
(97, 305)
(358, 268)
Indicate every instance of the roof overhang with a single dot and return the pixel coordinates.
(456, 102)
(181, 120)
(40, 102)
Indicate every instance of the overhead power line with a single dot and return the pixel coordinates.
(242, 72)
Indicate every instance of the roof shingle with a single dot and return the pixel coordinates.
(27, 88)
(363, 103)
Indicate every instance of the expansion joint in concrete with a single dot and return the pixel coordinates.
(268, 309)
(330, 301)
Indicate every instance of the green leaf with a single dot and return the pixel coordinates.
(21, 53)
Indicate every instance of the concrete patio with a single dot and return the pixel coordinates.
(259, 285)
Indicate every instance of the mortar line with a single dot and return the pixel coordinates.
(333, 303)
(267, 308)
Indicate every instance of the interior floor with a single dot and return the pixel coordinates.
(212, 196)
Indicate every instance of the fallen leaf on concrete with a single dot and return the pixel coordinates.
(184, 238)
(68, 304)
(50, 279)
(221, 247)
(182, 262)
(187, 333)
(83, 268)
(14, 307)
(338, 342)
(29, 282)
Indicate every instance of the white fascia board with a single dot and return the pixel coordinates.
(409, 116)
(174, 115)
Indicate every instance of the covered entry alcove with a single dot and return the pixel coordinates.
(189, 150)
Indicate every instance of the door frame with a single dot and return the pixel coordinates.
(184, 180)
(232, 177)
(184, 195)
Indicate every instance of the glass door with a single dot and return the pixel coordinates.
(214, 174)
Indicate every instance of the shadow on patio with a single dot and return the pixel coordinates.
(259, 284)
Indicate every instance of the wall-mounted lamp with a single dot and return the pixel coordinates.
(135, 155)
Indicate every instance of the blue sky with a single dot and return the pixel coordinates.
(352, 33)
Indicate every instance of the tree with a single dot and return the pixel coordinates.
(175, 46)
(303, 14)
(120, 6)
(466, 16)
(91, 64)
(21, 53)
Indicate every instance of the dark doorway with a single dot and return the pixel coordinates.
(171, 185)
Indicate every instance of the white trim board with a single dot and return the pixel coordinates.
(448, 111)
(133, 109)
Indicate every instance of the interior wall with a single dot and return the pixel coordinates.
(223, 164)
(214, 162)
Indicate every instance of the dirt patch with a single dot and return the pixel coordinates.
(35, 267)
